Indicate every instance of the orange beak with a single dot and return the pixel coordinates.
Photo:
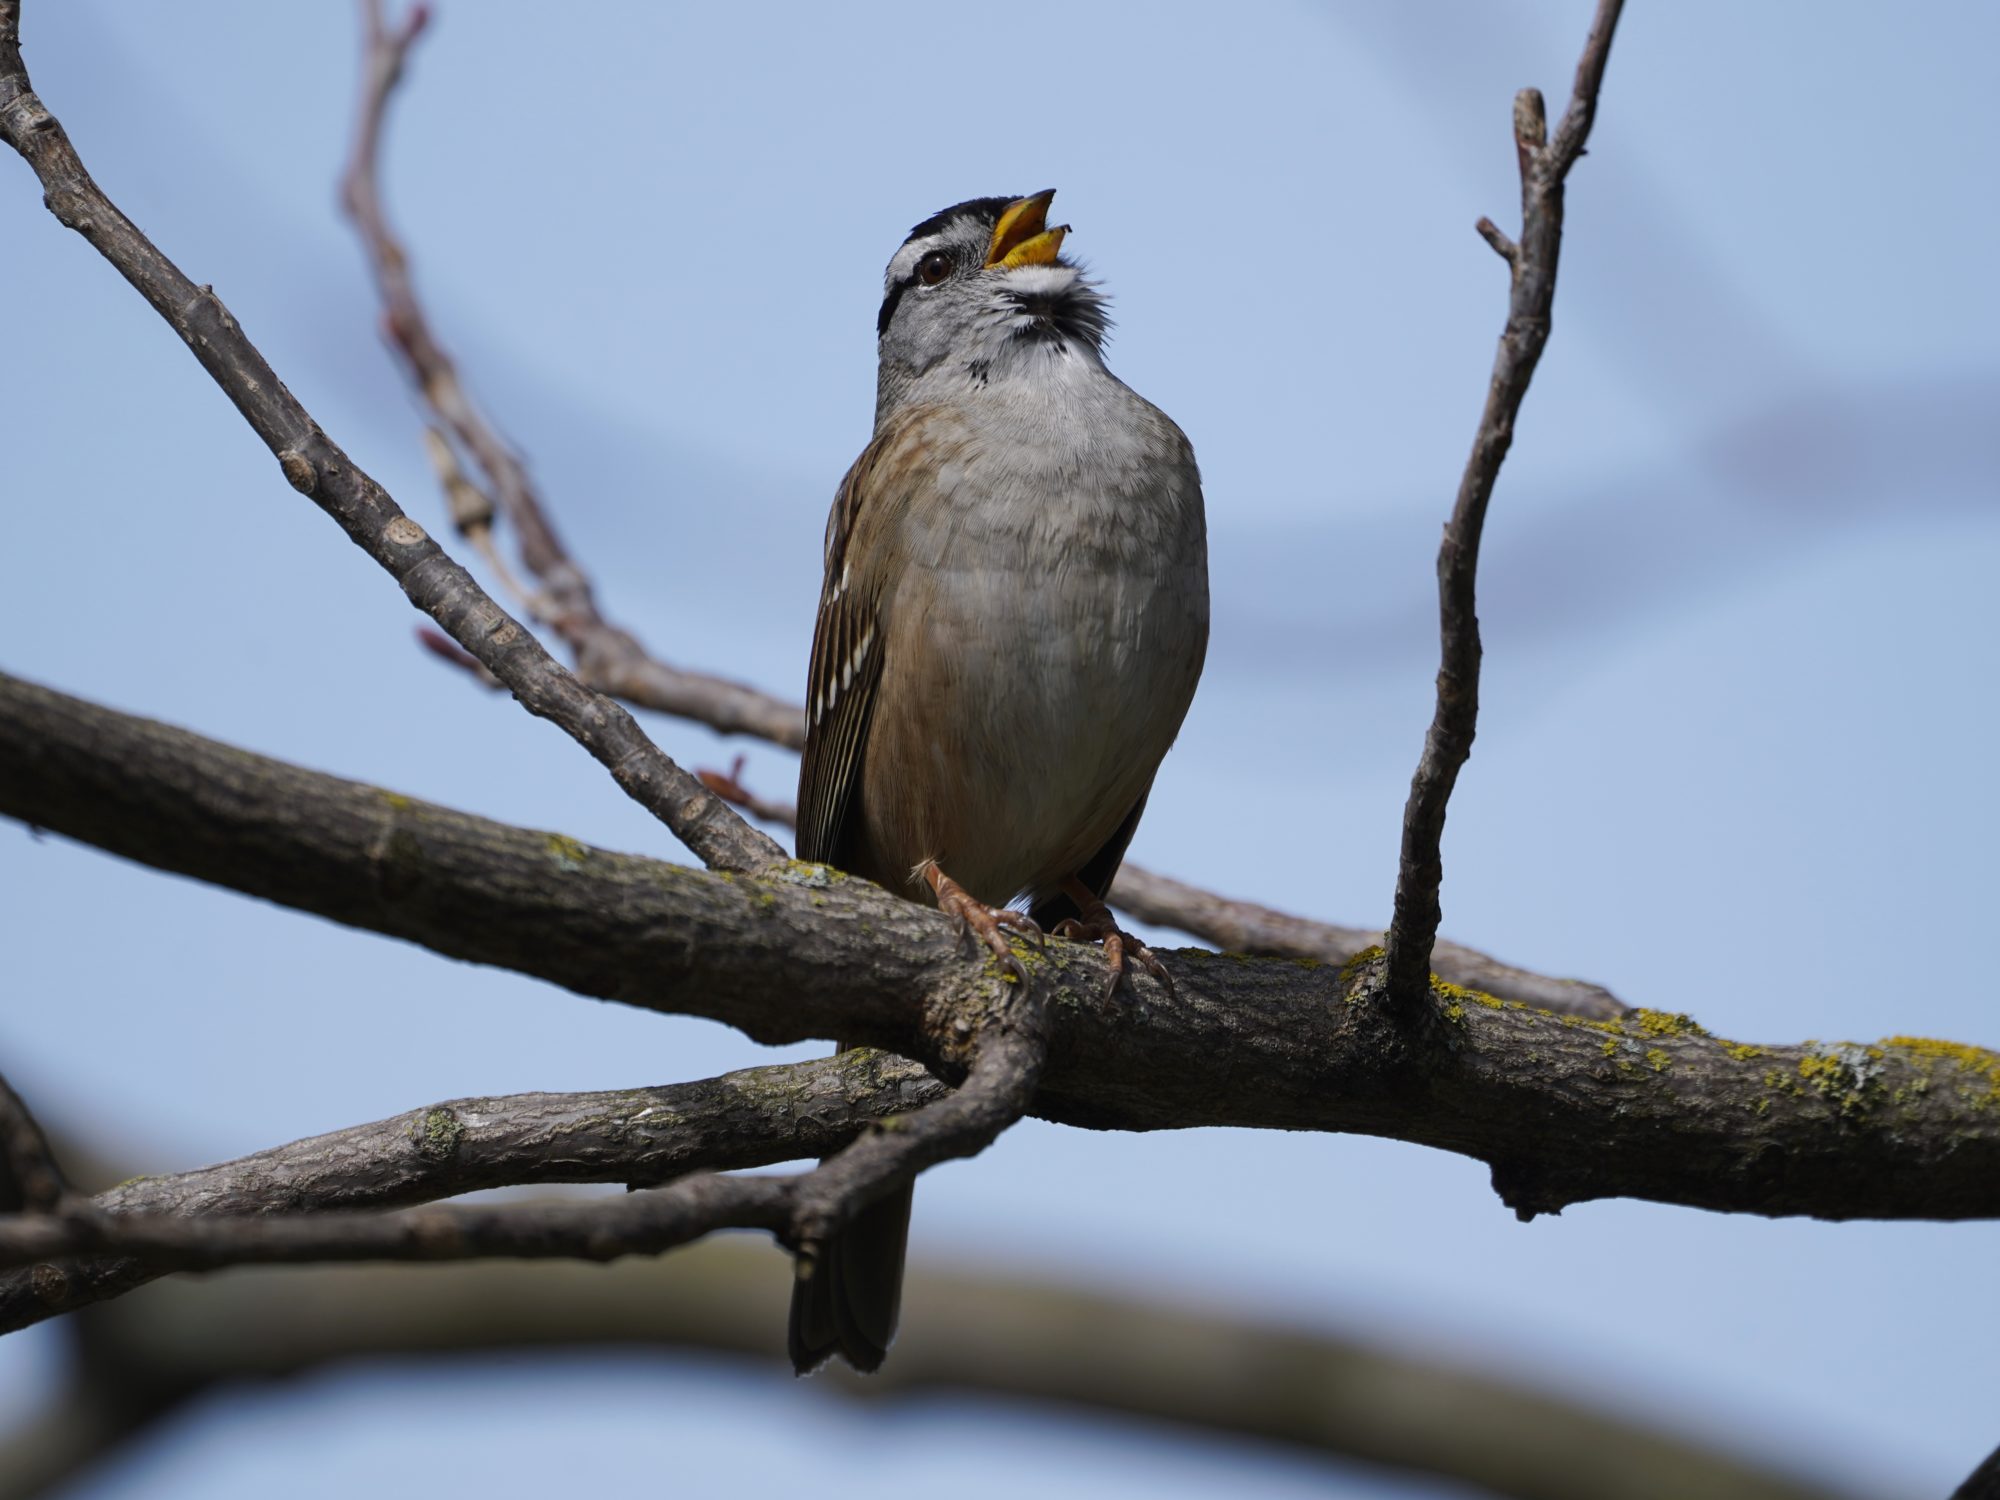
(1022, 237)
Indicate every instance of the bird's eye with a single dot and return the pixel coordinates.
(934, 268)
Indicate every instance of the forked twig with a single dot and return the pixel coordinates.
(1532, 260)
(802, 1209)
(607, 657)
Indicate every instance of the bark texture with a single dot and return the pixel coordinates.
(1563, 1109)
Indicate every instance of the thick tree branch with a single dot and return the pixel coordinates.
(316, 466)
(965, 1331)
(1563, 1109)
(1245, 927)
(1532, 260)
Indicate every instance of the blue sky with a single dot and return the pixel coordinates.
(1740, 652)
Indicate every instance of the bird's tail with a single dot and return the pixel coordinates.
(845, 1299)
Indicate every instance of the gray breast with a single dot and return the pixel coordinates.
(1050, 629)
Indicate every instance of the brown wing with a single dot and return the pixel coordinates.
(847, 1302)
(846, 665)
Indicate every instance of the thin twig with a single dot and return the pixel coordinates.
(1420, 871)
(472, 516)
(445, 649)
(730, 787)
(1495, 236)
(607, 657)
(316, 466)
(642, 1223)
(1246, 927)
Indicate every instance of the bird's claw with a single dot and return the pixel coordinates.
(1096, 925)
(989, 923)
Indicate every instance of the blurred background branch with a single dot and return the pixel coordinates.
(139, 1362)
(607, 658)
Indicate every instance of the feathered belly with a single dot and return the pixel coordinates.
(1038, 704)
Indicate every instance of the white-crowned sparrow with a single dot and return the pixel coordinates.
(1013, 619)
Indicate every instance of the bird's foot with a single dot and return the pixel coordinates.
(1095, 924)
(990, 923)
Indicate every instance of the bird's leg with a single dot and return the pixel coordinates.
(1095, 924)
(986, 921)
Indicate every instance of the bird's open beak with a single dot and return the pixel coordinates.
(1022, 237)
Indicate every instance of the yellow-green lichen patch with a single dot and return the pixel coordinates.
(1067, 997)
(398, 802)
(568, 853)
(1452, 999)
(1974, 1070)
(439, 1134)
(1666, 1023)
(1778, 1081)
(1350, 972)
(1846, 1074)
(805, 872)
(1742, 1051)
(1623, 1055)
(1930, 1049)
(1456, 997)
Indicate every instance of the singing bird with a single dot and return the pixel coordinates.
(1011, 625)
